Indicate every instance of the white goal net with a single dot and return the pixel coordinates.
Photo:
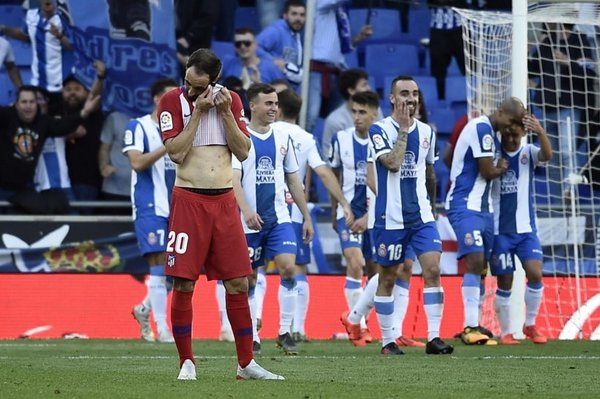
(563, 42)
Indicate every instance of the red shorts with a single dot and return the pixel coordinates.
(206, 230)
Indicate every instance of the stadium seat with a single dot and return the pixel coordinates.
(456, 89)
(385, 23)
(443, 118)
(389, 59)
(426, 84)
(352, 59)
(224, 50)
(453, 69)
(25, 72)
(247, 17)
(12, 15)
(7, 89)
(418, 25)
(22, 51)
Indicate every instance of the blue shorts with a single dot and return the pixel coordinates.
(269, 243)
(392, 245)
(303, 252)
(526, 246)
(151, 233)
(351, 240)
(474, 232)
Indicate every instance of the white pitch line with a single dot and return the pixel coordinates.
(508, 357)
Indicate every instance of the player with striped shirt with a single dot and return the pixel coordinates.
(469, 204)
(404, 157)
(308, 155)
(514, 226)
(349, 153)
(152, 179)
(259, 183)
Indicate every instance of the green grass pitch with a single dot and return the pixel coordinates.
(324, 369)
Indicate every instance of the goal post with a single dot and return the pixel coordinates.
(560, 41)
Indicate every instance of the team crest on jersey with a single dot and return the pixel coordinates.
(487, 142)
(344, 235)
(128, 137)
(283, 150)
(170, 260)
(382, 251)
(265, 172)
(378, 141)
(152, 240)
(524, 159)
(166, 121)
(425, 143)
(469, 239)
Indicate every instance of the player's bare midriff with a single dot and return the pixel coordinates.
(206, 167)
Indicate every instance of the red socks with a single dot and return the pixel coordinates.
(181, 322)
(238, 312)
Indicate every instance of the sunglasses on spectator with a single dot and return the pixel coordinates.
(240, 43)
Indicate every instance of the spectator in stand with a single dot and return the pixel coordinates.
(51, 171)
(22, 134)
(565, 54)
(350, 82)
(114, 168)
(83, 143)
(332, 31)
(44, 29)
(445, 40)
(247, 65)
(7, 58)
(194, 24)
(282, 41)
(280, 85)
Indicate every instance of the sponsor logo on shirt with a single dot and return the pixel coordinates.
(265, 172)
(409, 166)
(509, 183)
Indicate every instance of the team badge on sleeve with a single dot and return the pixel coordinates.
(487, 142)
(166, 121)
(378, 142)
(128, 137)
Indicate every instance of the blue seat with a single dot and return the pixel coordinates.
(389, 59)
(418, 25)
(7, 89)
(425, 83)
(223, 50)
(456, 89)
(25, 72)
(385, 23)
(12, 15)
(453, 69)
(22, 51)
(443, 118)
(352, 59)
(247, 17)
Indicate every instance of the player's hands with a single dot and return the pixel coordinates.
(348, 215)
(204, 101)
(55, 32)
(502, 164)
(222, 100)
(280, 63)
(360, 225)
(107, 170)
(404, 118)
(532, 123)
(254, 221)
(307, 231)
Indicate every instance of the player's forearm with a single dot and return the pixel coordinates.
(431, 185)
(15, 33)
(393, 159)
(545, 147)
(238, 192)
(179, 146)
(332, 184)
(237, 141)
(103, 157)
(142, 162)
